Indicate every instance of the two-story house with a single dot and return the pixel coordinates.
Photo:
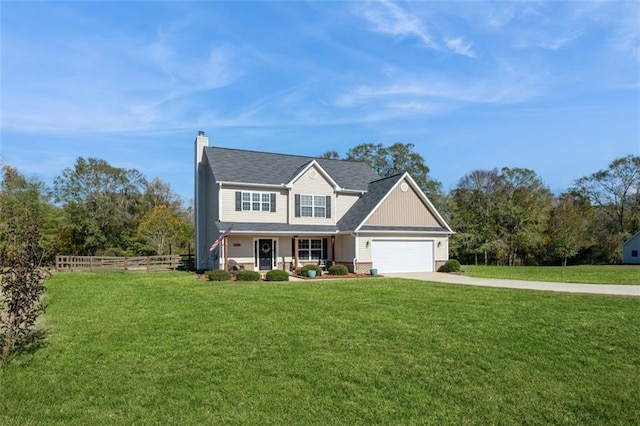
(282, 211)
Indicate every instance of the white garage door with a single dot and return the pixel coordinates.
(402, 255)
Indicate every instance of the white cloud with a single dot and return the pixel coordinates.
(501, 89)
(389, 18)
(459, 46)
(110, 82)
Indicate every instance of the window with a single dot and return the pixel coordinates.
(310, 249)
(634, 253)
(313, 206)
(255, 201)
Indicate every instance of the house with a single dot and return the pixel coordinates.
(262, 211)
(631, 250)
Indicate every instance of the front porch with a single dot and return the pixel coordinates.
(285, 252)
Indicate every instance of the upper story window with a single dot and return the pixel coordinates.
(313, 206)
(255, 201)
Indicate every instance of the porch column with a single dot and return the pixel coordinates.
(333, 250)
(295, 252)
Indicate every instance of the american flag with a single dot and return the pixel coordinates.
(217, 242)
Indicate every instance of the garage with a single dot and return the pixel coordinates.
(402, 255)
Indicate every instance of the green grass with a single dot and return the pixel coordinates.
(166, 349)
(584, 274)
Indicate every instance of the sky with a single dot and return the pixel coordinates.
(549, 86)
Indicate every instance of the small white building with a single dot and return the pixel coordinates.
(631, 250)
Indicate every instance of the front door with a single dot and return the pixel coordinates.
(265, 254)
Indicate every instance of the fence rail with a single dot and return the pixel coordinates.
(109, 263)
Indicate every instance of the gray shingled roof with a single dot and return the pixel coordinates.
(235, 165)
(438, 229)
(276, 227)
(359, 211)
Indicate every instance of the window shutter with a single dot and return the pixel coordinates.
(238, 201)
(328, 215)
(273, 203)
(297, 205)
(324, 248)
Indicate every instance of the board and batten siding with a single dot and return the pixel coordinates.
(229, 213)
(402, 208)
(312, 182)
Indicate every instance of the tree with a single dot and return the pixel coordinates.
(331, 155)
(162, 229)
(21, 278)
(501, 214)
(102, 206)
(473, 214)
(568, 231)
(525, 205)
(394, 159)
(616, 192)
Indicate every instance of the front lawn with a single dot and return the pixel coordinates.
(585, 274)
(167, 349)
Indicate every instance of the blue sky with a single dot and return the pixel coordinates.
(550, 86)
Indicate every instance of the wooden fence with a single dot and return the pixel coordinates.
(108, 263)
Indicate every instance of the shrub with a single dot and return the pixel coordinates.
(277, 275)
(243, 275)
(451, 265)
(218, 275)
(306, 269)
(338, 270)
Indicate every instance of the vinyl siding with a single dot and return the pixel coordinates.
(632, 244)
(229, 213)
(345, 248)
(307, 184)
(344, 202)
(402, 209)
(364, 249)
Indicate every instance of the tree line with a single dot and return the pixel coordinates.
(509, 216)
(94, 208)
(500, 216)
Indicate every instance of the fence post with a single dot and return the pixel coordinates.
(148, 261)
(125, 264)
(91, 264)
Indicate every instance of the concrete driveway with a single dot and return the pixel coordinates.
(440, 277)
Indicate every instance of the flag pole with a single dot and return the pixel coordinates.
(226, 252)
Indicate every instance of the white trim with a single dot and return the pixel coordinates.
(313, 205)
(275, 242)
(412, 239)
(251, 185)
(323, 172)
(219, 200)
(400, 231)
(417, 190)
(251, 201)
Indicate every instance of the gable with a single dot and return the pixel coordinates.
(312, 181)
(633, 241)
(403, 207)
